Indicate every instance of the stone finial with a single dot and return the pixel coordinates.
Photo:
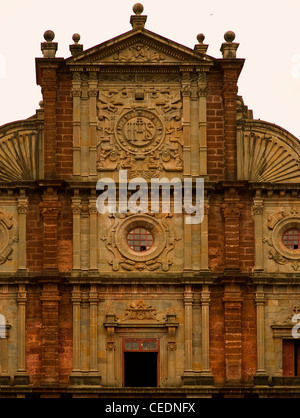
(138, 9)
(229, 47)
(49, 47)
(76, 48)
(138, 20)
(200, 47)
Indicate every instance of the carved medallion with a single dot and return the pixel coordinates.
(139, 131)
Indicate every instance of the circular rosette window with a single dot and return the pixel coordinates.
(286, 238)
(139, 131)
(140, 238)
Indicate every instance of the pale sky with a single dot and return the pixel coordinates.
(268, 32)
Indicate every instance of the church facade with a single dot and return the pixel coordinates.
(153, 302)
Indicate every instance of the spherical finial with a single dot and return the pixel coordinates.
(200, 38)
(138, 9)
(49, 35)
(229, 36)
(76, 38)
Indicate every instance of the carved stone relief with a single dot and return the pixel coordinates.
(267, 156)
(122, 257)
(142, 136)
(6, 241)
(18, 156)
(277, 223)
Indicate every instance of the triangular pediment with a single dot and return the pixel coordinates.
(139, 47)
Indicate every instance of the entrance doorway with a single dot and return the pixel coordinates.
(141, 363)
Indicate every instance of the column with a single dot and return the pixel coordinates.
(171, 324)
(186, 129)
(76, 208)
(188, 328)
(205, 302)
(76, 301)
(186, 121)
(93, 232)
(93, 299)
(204, 236)
(258, 222)
(22, 211)
(202, 92)
(110, 349)
(21, 375)
(93, 92)
(76, 93)
(260, 377)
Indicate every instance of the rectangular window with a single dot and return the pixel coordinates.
(291, 357)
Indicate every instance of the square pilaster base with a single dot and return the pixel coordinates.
(21, 379)
(197, 379)
(261, 380)
(4, 380)
(85, 379)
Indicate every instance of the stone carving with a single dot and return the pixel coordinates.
(267, 158)
(6, 241)
(139, 132)
(18, 156)
(120, 256)
(140, 312)
(277, 223)
(143, 139)
(139, 53)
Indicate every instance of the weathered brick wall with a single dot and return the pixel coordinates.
(65, 335)
(33, 342)
(64, 128)
(34, 234)
(215, 128)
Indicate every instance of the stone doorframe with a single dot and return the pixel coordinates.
(140, 322)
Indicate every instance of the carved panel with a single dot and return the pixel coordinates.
(143, 136)
(277, 223)
(265, 154)
(6, 241)
(121, 257)
(18, 156)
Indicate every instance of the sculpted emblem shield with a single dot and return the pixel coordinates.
(139, 131)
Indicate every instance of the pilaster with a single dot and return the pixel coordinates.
(21, 377)
(22, 211)
(258, 210)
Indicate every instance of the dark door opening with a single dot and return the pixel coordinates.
(140, 369)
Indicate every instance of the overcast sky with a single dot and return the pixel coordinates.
(268, 32)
